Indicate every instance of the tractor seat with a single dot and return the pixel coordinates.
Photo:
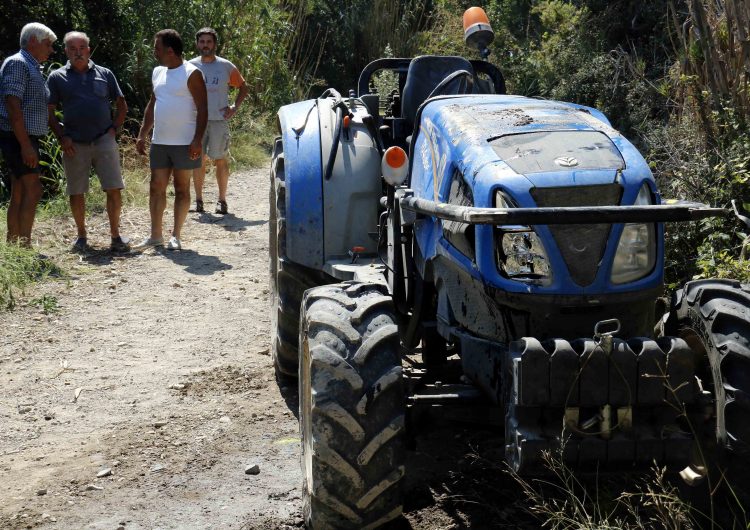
(425, 74)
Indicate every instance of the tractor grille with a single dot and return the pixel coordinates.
(581, 246)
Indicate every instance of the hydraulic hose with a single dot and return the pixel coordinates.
(340, 106)
(335, 143)
(372, 128)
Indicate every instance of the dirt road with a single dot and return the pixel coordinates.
(141, 401)
(167, 353)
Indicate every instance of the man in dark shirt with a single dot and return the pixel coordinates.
(86, 92)
(23, 120)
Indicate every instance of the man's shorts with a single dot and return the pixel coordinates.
(11, 150)
(216, 139)
(172, 157)
(103, 155)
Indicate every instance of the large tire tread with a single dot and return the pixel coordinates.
(353, 418)
(718, 313)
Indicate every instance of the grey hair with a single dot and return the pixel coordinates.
(37, 30)
(75, 35)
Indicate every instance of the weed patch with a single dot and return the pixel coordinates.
(47, 303)
(252, 139)
(567, 501)
(20, 267)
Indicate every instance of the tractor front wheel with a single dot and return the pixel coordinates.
(713, 317)
(352, 407)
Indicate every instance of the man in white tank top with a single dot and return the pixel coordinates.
(178, 113)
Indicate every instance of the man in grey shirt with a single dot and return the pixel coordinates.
(219, 74)
(86, 92)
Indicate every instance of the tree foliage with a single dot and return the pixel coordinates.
(672, 75)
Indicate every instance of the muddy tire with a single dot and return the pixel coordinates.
(713, 317)
(288, 280)
(352, 407)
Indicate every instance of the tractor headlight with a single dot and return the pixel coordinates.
(636, 251)
(520, 253)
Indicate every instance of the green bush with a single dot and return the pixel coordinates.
(633, 61)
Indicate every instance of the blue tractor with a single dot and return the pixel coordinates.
(445, 243)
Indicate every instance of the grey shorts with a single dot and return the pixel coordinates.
(172, 156)
(103, 155)
(216, 139)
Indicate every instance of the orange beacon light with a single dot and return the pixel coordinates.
(477, 30)
(395, 166)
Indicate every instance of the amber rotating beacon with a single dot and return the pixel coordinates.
(477, 30)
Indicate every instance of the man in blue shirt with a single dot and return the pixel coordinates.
(86, 92)
(23, 120)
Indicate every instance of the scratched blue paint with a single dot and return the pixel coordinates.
(460, 129)
(304, 183)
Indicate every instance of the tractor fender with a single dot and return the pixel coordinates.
(303, 176)
(327, 218)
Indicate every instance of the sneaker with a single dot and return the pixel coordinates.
(174, 244)
(81, 245)
(199, 206)
(120, 244)
(221, 207)
(150, 242)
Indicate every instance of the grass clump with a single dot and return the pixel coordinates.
(252, 139)
(566, 501)
(47, 303)
(20, 267)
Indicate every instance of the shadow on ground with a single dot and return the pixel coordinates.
(290, 392)
(229, 222)
(196, 263)
(105, 256)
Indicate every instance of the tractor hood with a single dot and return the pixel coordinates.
(519, 143)
(493, 151)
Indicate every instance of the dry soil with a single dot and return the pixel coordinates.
(140, 401)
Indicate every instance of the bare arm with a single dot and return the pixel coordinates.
(197, 87)
(146, 126)
(15, 116)
(66, 142)
(54, 123)
(241, 95)
(121, 110)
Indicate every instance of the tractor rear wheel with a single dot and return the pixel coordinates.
(713, 317)
(289, 280)
(352, 408)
